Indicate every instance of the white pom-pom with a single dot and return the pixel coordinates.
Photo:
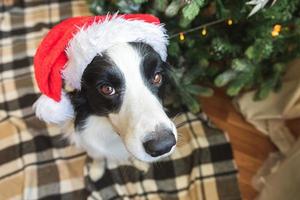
(51, 111)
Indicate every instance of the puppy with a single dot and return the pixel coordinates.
(118, 113)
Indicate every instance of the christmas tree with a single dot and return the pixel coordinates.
(235, 44)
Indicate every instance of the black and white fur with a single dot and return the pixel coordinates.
(121, 126)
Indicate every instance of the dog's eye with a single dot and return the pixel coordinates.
(107, 90)
(157, 79)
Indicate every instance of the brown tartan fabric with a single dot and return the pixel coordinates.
(36, 162)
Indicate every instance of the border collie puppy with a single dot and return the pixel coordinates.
(118, 113)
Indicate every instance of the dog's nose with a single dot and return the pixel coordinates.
(161, 143)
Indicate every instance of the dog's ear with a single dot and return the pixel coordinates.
(76, 98)
(80, 105)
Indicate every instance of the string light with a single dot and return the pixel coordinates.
(276, 30)
(196, 28)
(204, 32)
(202, 27)
(229, 22)
(181, 36)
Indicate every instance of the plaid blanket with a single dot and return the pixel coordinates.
(36, 161)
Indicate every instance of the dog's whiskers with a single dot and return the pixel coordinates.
(174, 118)
(181, 139)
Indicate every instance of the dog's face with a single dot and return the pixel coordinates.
(123, 85)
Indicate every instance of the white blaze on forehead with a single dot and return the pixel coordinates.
(128, 61)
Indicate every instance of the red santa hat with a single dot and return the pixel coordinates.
(71, 45)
